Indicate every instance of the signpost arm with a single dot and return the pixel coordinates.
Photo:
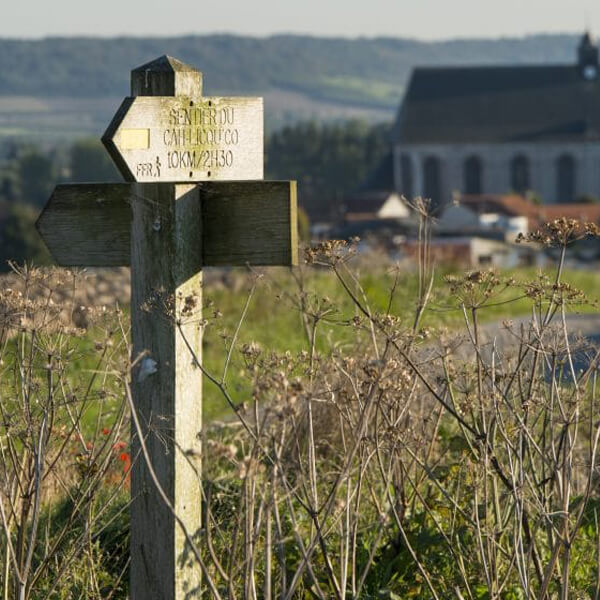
(166, 278)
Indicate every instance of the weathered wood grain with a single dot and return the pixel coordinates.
(243, 223)
(88, 225)
(166, 288)
(250, 222)
(176, 78)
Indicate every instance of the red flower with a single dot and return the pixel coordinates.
(126, 460)
(106, 431)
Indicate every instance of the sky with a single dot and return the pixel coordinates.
(423, 19)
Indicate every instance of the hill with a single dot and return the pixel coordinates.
(43, 81)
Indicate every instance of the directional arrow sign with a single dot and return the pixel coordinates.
(241, 222)
(164, 138)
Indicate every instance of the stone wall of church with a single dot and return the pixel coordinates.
(496, 167)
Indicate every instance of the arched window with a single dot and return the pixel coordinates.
(406, 176)
(565, 178)
(472, 170)
(432, 187)
(519, 174)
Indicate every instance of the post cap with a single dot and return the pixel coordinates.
(166, 76)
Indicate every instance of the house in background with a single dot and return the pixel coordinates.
(472, 251)
(508, 215)
(375, 214)
(501, 217)
(495, 129)
(375, 205)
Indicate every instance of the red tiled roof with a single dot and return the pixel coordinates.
(589, 213)
(514, 205)
(508, 204)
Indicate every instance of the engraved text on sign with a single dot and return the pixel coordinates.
(181, 138)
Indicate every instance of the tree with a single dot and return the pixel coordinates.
(303, 225)
(327, 160)
(8, 192)
(36, 176)
(19, 241)
(90, 162)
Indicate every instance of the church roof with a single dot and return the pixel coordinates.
(501, 104)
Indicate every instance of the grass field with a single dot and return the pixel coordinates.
(274, 321)
(73, 382)
(361, 91)
(274, 318)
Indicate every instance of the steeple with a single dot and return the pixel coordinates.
(587, 52)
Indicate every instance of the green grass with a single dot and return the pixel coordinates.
(357, 89)
(275, 323)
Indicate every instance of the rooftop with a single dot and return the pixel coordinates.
(513, 205)
(505, 103)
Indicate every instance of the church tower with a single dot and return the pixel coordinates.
(588, 57)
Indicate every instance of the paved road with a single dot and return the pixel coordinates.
(584, 337)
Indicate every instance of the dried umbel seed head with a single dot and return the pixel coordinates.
(545, 289)
(475, 288)
(560, 232)
(591, 229)
(331, 252)
(189, 305)
(422, 206)
(251, 350)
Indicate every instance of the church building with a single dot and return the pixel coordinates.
(501, 129)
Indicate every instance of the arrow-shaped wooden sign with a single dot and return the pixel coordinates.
(163, 138)
(242, 223)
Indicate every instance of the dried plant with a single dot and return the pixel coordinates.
(410, 463)
(406, 461)
(63, 443)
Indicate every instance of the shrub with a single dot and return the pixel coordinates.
(19, 241)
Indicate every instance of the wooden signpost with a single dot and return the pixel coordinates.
(188, 217)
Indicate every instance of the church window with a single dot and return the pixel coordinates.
(519, 174)
(565, 178)
(472, 175)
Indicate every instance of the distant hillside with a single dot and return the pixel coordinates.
(300, 76)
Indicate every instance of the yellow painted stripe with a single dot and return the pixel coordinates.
(135, 139)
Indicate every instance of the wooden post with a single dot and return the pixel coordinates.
(166, 231)
(166, 261)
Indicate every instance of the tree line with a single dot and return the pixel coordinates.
(370, 71)
(328, 160)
